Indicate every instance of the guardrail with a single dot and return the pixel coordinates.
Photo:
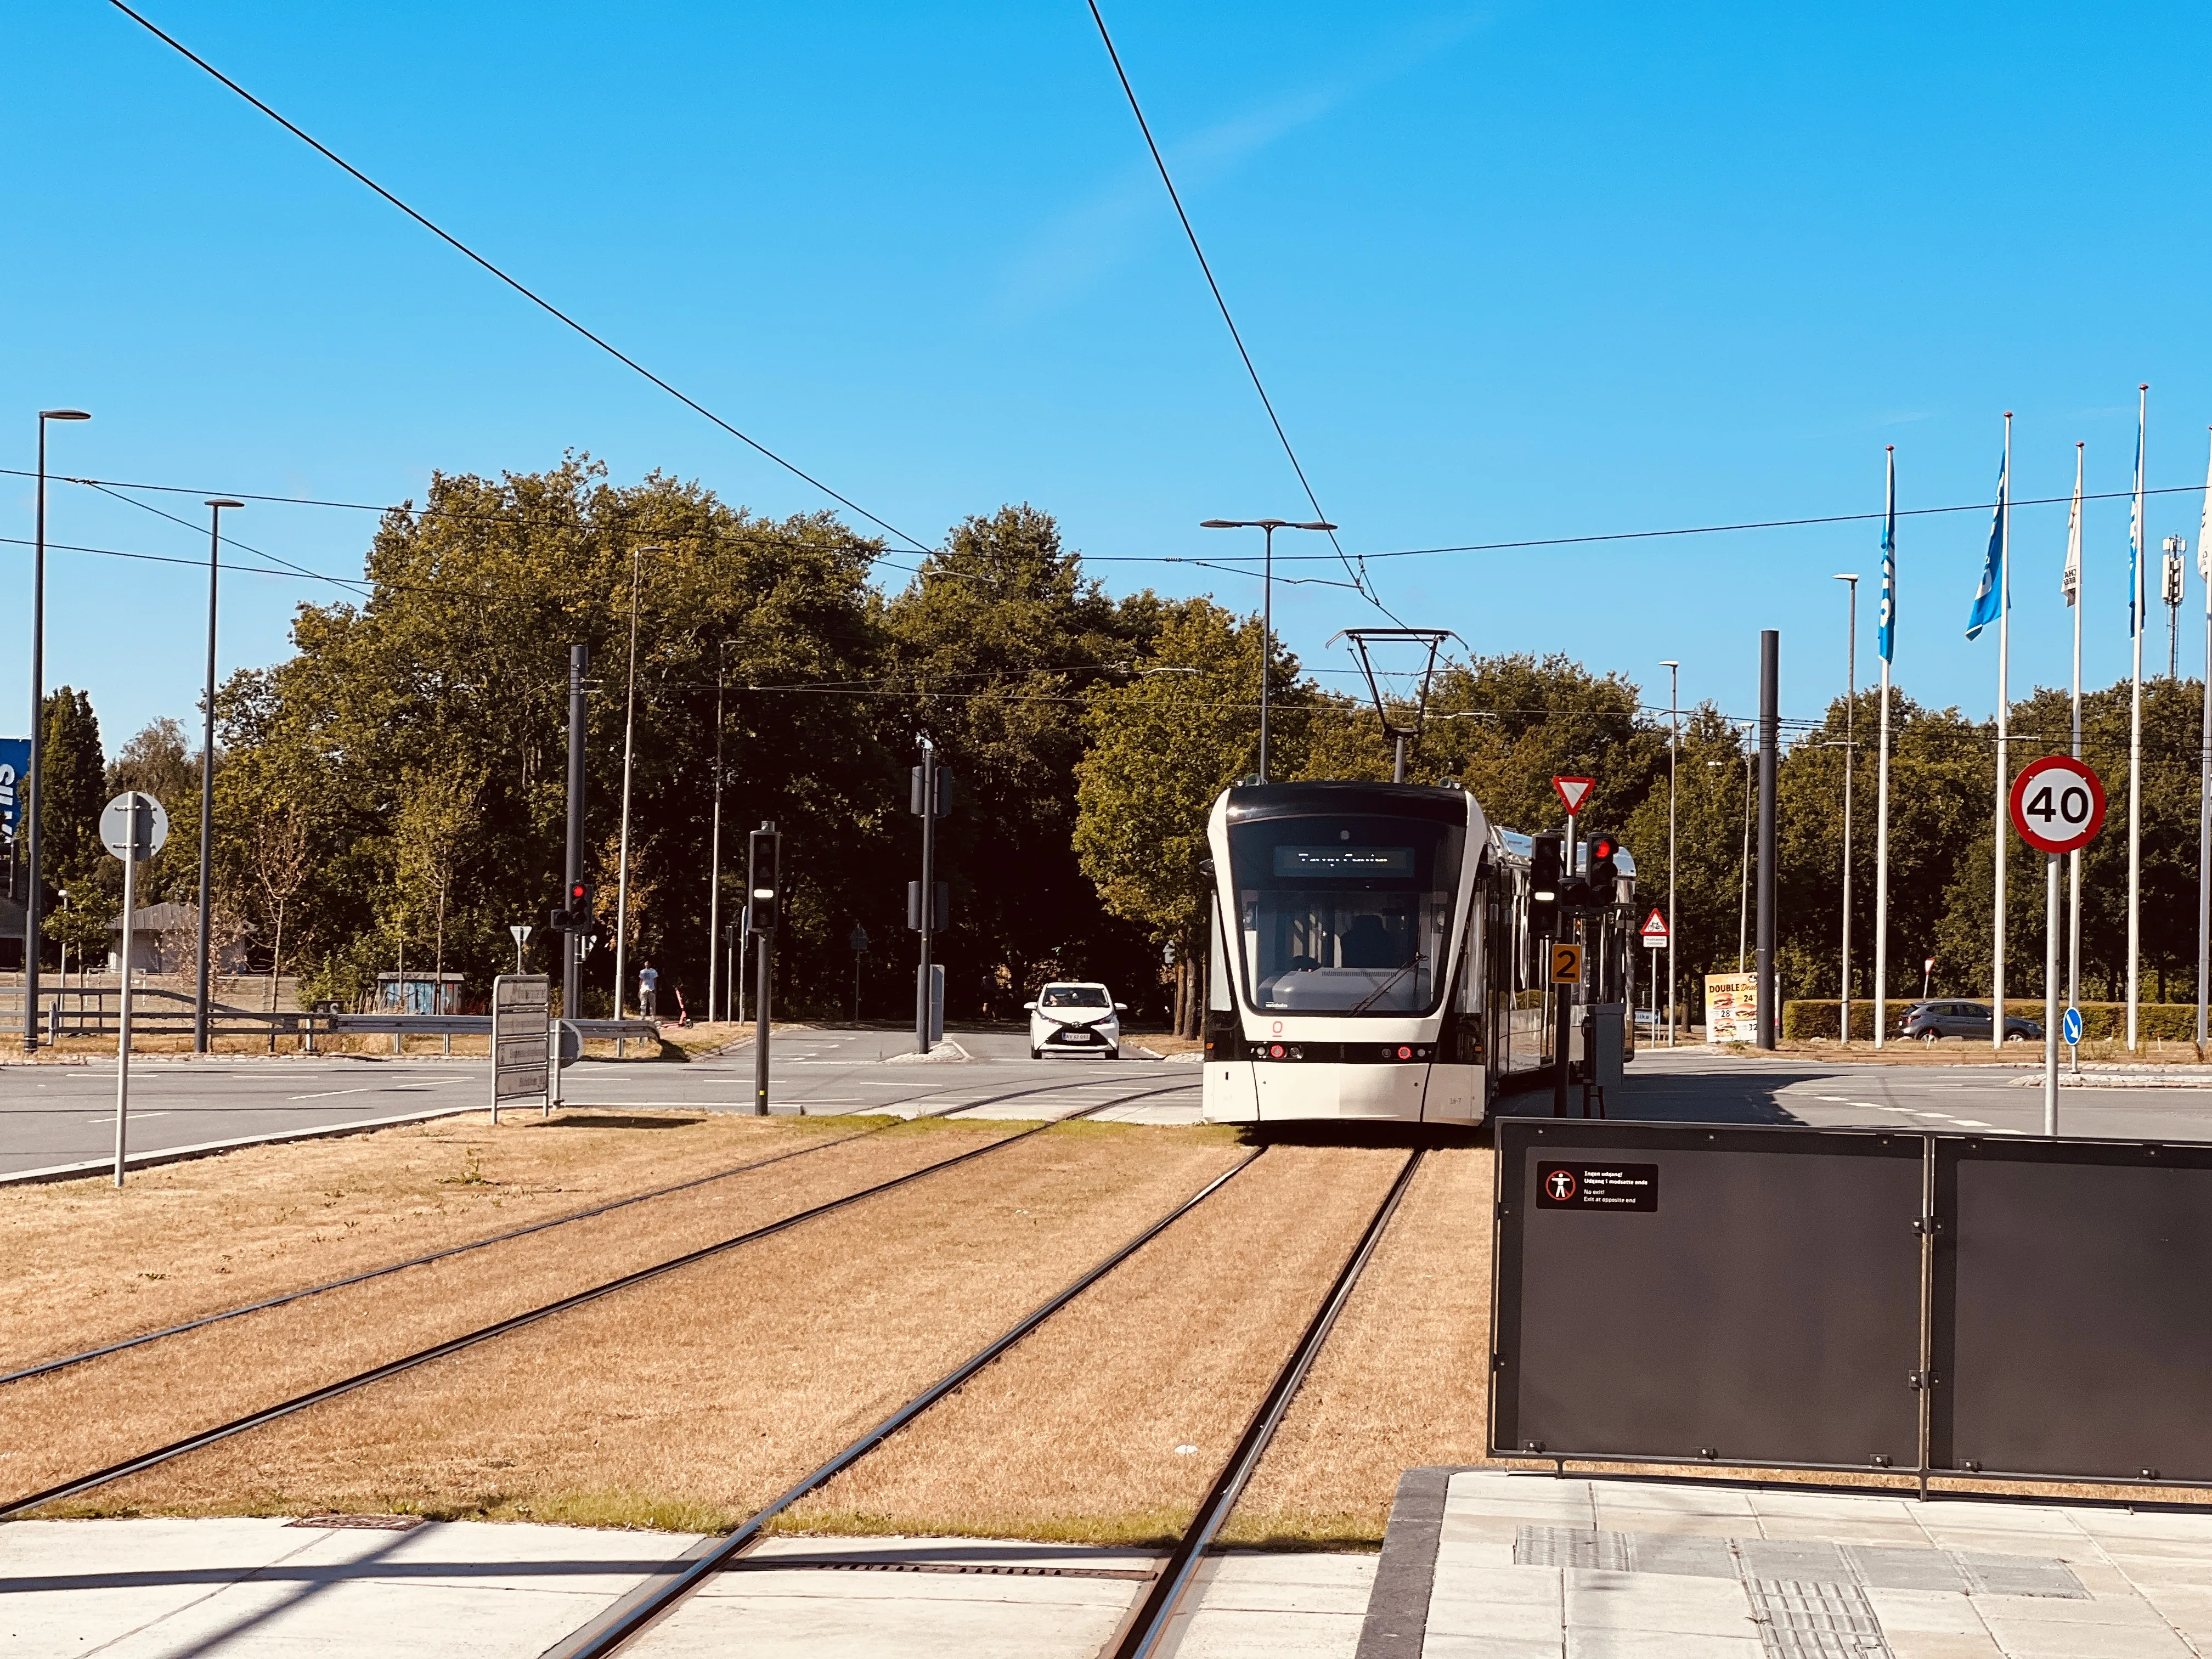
(98, 1012)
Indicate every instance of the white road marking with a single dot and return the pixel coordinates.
(327, 1093)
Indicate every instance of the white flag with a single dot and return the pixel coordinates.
(2204, 539)
(2071, 582)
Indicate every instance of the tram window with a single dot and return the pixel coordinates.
(1342, 915)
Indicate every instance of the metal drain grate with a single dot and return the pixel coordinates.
(2019, 1575)
(360, 1522)
(1800, 1619)
(1571, 1547)
(994, 1570)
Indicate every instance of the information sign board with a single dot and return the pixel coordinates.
(521, 1041)
(1731, 1007)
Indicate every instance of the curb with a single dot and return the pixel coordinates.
(212, 1148)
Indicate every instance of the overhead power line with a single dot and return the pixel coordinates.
(1358, 577)
(535, 299)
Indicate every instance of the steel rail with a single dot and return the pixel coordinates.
(1147, 1624)
(67, 1360)
(650, 1601)
(19, 1507)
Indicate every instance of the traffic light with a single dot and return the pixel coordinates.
(760, 881)
(944, 792)
(941, 912)
(1604, 869)
(1544, 858)
(573, 914)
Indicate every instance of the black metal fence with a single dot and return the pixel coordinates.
(1853, 1299)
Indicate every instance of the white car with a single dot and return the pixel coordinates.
(1072, 1017)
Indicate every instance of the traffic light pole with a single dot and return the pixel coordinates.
(579, 660)
(762, 884)
(923, 984)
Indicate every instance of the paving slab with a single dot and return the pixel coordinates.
(1494, 1564)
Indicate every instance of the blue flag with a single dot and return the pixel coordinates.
(1989, 598)
(2135, 536)
(1884, 633)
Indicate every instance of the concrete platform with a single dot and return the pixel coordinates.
(1488, 1565)
(276, 1589)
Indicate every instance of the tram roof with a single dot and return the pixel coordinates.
(1251, 801)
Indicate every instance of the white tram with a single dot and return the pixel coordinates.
(1371, 956)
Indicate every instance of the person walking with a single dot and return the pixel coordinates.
(648, 987)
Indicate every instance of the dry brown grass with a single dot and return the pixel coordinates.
(689, 1401)
(1405, 1379)
(91, 1415)
(83, 1264)
(1074, 1434)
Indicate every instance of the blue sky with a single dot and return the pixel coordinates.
(1511, 272)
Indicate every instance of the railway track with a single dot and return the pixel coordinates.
(1149, 1619)
(46, 1367)
(138, 1463)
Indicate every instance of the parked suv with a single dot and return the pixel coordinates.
(1072, 1017)
(1931, 1021)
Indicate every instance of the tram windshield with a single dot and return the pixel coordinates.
(1345, 914)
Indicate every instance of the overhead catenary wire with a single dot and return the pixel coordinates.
(531, 295)
(1358, 577)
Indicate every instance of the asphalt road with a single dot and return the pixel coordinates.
(57, 1116)
(1691, 1085)
(62, 1116)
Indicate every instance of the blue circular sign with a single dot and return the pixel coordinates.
(2071, 1027)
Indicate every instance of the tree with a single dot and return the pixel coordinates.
(994, 644)
(280, 868)
(457, 663)
(1164, 741)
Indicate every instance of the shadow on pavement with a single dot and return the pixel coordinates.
(1745, 1096)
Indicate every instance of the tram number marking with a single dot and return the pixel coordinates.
(1597, 1186)
(1567, 965)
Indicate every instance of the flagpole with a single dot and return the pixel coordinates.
(2136, 541)
(1884, 639)
(2074, 858)
(2004, 644)
(2204, 774)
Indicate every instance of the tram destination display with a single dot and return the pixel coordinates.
(1344, 861)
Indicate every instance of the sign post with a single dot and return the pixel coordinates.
(2057, 807)
(132, 826)
(521, 1040)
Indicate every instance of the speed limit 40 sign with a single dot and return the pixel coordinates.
(2057, 804)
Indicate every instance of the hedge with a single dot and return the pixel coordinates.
(1815, 1017)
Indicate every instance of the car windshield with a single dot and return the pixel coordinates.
(1344, 915)
(1071, 996)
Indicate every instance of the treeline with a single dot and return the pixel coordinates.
(398, 784)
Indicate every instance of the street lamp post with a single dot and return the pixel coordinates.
(1851, 709)
(1674, 743)
(715, 859)
(629, 732)
(1267, 603)
(207, 778)
(35, 806)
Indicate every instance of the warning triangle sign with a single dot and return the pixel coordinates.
(1574, 791)
(1655, 926)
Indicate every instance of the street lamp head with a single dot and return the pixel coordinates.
(224, 500)
(1668, 663)
(1318, 524)
(1845, 577)
(1221, 524)
(62, 414)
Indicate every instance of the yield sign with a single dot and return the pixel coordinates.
(1574, 791)
(1655, 926)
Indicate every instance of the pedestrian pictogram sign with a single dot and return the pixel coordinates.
(2057, 804)
(1655, 929)
(1567, 965)
(1574, 791)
